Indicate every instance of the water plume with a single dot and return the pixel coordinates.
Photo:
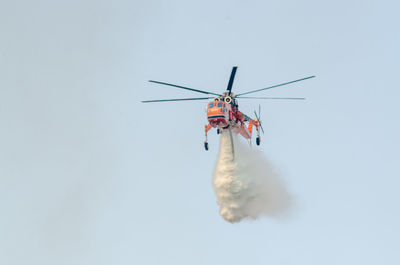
(245, 183)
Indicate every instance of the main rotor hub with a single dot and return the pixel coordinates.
(228, 98)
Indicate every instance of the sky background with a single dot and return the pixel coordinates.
(89, 175)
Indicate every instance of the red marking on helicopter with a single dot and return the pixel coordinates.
(223, 111)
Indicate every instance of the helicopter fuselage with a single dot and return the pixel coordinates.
(223, 113)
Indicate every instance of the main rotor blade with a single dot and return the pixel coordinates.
(269, 98)
(229, 88)
(172, 99)
(283, 84)
(187, 88)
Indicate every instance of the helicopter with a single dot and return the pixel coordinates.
(223, 110)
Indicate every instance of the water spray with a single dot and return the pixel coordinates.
(245, 183)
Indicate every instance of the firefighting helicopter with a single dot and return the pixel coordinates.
(223, 111)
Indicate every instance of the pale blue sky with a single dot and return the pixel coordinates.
(89, 175)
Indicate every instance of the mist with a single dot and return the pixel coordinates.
(245, 182)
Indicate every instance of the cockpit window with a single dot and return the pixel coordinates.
(220, 104)
(210, 105)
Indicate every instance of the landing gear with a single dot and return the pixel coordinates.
(206, 146)
(207, 128)
(258, 140)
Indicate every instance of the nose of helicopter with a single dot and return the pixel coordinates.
(217, 116)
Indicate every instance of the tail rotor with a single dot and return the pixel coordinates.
(258, 139)
(259, 117)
